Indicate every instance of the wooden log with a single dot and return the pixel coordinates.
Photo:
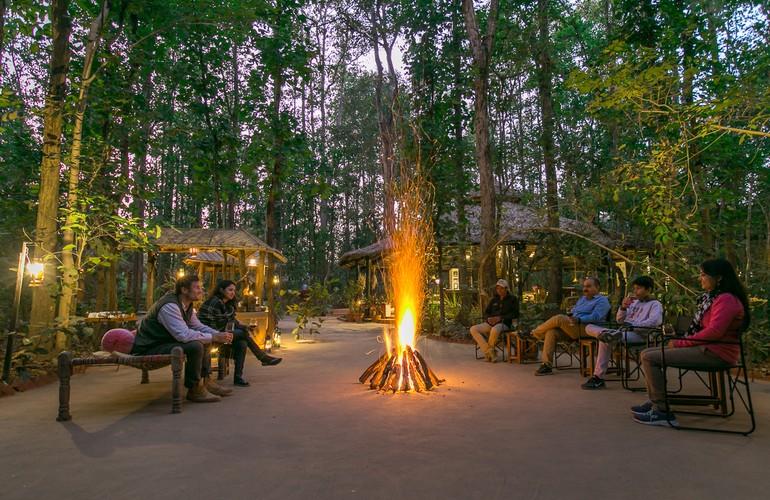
(414, 381)
(419, 380)
(393, 378)
(373, 368)
(422, 369)
(379, 383)
(429, 375)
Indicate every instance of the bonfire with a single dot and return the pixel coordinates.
(401, 368)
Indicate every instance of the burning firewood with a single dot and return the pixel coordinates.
(402, 368)
(403, 371)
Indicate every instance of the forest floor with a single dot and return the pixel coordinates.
(307, 429)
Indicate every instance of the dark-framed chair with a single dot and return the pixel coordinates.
(500, 342)
(630, 352)
(721, 396)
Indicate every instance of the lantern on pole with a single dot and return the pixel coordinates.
(36, 270)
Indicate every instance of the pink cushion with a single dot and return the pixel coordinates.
(118, 340)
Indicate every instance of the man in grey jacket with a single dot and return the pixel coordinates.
(171, 322)
(639, 313)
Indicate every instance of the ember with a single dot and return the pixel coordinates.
(402, 368)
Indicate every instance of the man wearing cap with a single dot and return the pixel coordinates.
(499, 314)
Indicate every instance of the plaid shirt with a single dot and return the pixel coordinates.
(216, 313)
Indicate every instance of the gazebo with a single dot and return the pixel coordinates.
(228, 253)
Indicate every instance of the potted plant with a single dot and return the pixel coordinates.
(352, 294)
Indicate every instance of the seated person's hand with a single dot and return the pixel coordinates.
(222, 337)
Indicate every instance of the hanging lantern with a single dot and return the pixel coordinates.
(36, 270)
(180, 273)
(193, 252)
(252, 262)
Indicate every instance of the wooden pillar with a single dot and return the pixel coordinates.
(242, 265)
(213, 277)
(150, 293)
(368, 294)
(441, 286)
(271, 317)
(259, 287)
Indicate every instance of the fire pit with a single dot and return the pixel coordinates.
(401, 368)
(402, 371)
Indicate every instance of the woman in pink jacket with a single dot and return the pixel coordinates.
(721, 315)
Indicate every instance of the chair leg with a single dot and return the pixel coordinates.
(177, 365)
(220, 363)
(65, 372)
(145, 376)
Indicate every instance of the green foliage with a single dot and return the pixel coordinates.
(353, 294)
(308, 309)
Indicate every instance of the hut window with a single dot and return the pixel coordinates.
(454, 279)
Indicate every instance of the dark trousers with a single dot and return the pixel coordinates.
(197, 363)
(241, 342)
(680, 357)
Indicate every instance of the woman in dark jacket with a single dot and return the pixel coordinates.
(217, 312)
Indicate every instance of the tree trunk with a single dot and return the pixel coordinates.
(2, 35)
(385, 120)
(70, 271)
(43, 303)
(273, 208)
(481, 49)
(747, 276)
(545, 93)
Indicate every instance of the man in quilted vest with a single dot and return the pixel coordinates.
(172, 322)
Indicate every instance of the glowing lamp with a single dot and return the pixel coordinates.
(276, 280)
(252, 262)
(180, 273)
(36, 270)
(193, 251)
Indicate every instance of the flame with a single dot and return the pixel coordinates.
(411, 238)
(406, 329)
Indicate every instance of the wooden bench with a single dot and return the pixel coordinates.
(144, 363)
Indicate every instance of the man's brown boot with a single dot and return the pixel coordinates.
(217, 389)
(199, 394)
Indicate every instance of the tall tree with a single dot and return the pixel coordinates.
(545, 94)
(70, 267)
(481, 50)
(43, 301)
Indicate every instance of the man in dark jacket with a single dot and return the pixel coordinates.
(500, 313)
(171, 322)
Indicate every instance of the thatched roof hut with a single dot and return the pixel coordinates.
(520, 223)
(373, 251)
(231, 241)
(207, 250)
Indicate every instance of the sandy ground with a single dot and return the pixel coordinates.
(307, 429)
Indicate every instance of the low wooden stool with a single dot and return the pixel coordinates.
(588, 350)
(526, 349)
